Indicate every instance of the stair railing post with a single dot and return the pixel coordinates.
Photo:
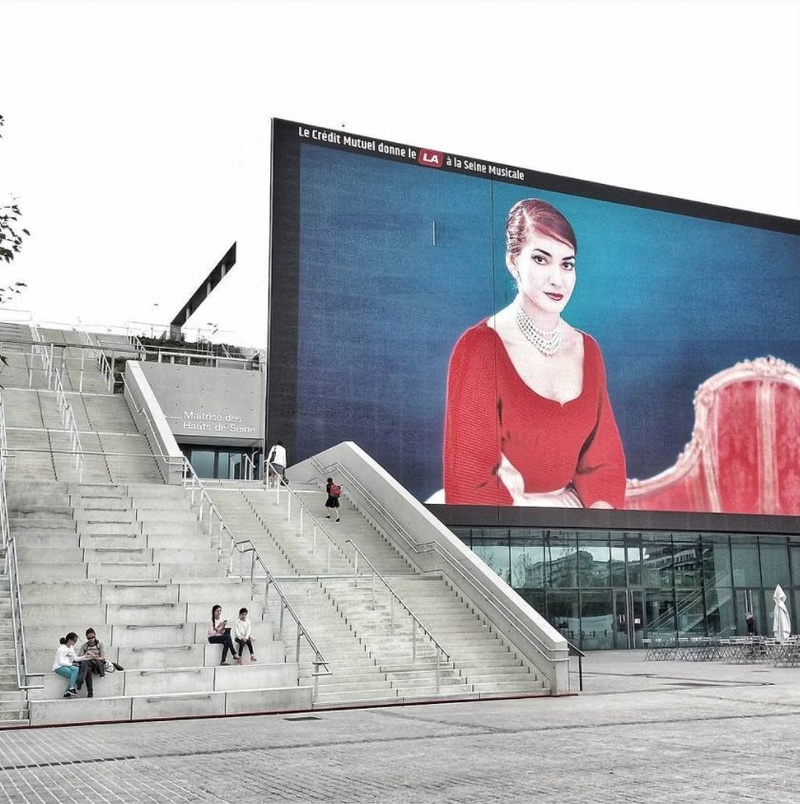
(80, 381)
(438, 659)
(413, 640)
(373, 590)
(355, 568)
(50, 367)
(314, 539)
(30, 369)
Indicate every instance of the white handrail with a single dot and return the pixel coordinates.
(454, 568)
(440, 651)
(193, 482)
(11, 571)
(304, 510)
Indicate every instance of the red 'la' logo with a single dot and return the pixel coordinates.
(428, 158)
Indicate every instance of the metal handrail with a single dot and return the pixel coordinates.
(249, 468)
(304, 510)
(11, 571)
(5, 533)
(17, 626)
(440, 651)
(247, 546)
(200, 357)
(358, 552)
(428, 547)
(243, 546)
(67, 415)
(574, 650)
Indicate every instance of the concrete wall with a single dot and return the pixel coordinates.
(150, 421)
(207, 405)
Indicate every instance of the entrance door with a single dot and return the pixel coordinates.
(629, 621)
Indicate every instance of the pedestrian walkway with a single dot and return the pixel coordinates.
(641, 731)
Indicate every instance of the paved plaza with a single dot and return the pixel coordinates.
(642, 731)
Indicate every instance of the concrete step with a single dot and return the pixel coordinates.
(177, 705)
(176, 680)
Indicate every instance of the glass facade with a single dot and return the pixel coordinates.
(224, 463)
(611, 589)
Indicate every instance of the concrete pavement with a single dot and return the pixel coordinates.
(641, 732)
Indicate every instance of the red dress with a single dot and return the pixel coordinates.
(490, 411)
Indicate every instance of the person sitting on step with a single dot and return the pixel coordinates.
(243, 634)
(93, 663)
(220, 634)
(67, 663)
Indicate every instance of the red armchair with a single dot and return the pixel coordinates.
(744, 454)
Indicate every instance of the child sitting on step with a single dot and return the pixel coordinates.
(243, 634)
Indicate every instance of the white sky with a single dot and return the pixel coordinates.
(137, 133)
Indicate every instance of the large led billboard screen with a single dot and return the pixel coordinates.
(493, 335)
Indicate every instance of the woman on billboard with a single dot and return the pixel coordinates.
(528, 419)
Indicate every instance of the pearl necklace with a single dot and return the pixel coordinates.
(548, 343)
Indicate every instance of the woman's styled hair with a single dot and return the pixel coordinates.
(70, 636)
(214, 608)
(533, 214)
(90, 631)
(243, 611)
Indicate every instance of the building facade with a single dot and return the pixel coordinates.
(611, 589)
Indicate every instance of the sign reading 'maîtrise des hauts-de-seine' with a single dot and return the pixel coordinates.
(195, 422)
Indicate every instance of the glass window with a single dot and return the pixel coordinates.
(774, 563)
(658, 564)
(563, 612)
(202, 461)
(690, 610)
(744, 558)
(687, 561)
(561, 554)
(494, 551)
(597, 620)
(635, 556)
(528, 564)
(536, 598)
(594, 561)
(794, 562)
(223, 460)
(660, 614)
(716, 561)
(720, 616)
(752, 600)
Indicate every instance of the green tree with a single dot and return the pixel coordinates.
(11, 237)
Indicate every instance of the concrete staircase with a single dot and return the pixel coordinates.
(377, 652)
(110, 547)
(132, 563)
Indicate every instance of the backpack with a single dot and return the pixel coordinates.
(335, 490)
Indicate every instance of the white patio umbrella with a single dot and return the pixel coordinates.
(781, 623)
